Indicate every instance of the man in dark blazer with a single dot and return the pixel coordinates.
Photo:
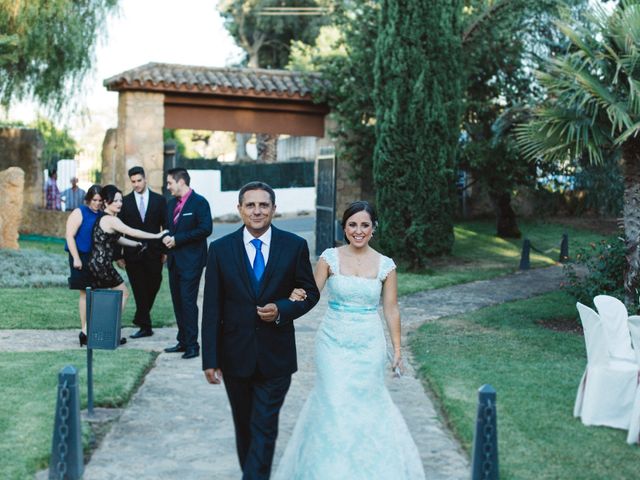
(189, 223)
(247, 323)
(147, 211)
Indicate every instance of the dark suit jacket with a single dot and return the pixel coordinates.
(190, 233)
(233, 336)
(154, 221)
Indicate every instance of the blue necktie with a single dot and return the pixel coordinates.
(258, 261)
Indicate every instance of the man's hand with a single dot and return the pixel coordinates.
(213, 375)
(169, 242)
(121, 263)
(163, 258)
(269, 312)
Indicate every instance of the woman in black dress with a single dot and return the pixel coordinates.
(107, 235)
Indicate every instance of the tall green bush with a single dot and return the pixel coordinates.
(418, 90)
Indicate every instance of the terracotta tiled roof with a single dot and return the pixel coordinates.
(170, 77)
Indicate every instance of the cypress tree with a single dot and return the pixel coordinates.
(418, 98)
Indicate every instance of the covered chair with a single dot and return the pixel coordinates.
(613, 315)
(607, 390)
(634, 425)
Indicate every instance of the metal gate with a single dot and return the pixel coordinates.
(325, 199)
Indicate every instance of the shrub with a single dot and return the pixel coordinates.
(598, 269)
(32, 268)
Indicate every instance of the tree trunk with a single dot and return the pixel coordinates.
(506, 222)
(631, 219)
(267, 146)
(241, 147)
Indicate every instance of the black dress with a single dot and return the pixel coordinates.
(101, 262)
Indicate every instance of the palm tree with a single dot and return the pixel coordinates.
(593, 109)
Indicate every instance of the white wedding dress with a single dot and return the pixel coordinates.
(349, 427)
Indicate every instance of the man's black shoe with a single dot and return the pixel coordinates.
(178, 348)
(123, 340)
(143, 332)
(192, 352)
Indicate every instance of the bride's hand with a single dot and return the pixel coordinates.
(397, 366)
(298, 295)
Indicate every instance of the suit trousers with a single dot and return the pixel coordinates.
(145, 277)
(255, 405)
(184, 287)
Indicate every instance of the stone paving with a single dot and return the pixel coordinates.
(178, 426)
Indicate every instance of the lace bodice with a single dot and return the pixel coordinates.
(351, 290)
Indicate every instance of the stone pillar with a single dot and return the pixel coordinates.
(109, 156)
(11, 200)
(22, 147)
(139, 138)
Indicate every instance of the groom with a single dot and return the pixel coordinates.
(247, 322)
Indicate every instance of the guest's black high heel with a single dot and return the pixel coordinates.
(83, 339)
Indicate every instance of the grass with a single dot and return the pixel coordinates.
(29, 381)
(478, 254)
(536, 372)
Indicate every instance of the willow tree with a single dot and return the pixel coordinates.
(418, 99)
(47, 47)
(593, 109)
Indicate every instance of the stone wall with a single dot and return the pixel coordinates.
(139, 139)
(38, 221)
(22, 147)
(11, 200)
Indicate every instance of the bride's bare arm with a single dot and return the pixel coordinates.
(392, 315)
(320, 275)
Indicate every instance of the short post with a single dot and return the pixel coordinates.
(485, 438)
(524, 258)
(564, 248)
(66, 447)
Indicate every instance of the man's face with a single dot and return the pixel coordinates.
(138, 182)
(175, 188)
(256, 211)
(74, 182)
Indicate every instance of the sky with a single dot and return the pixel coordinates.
(188, 32)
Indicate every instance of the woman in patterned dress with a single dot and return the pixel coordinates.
(107, 235)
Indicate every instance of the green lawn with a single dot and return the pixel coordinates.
(536, 372)
(478, 254)
(29, 381)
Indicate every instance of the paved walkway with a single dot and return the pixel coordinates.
(178, 426)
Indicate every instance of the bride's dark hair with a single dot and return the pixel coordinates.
(360, 206)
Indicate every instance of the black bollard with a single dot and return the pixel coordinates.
(564, 248)
(524, 258)
(485, 438)
(66, 447)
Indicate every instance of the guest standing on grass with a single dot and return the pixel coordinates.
(189, 223)
(79, 243)
(51, 192)
(147, 211)
(107, 234)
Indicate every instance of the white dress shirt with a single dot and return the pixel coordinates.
(251, 250)
(145, 196)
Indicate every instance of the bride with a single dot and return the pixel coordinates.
(349, 427)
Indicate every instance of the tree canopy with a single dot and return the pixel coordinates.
(47, 47)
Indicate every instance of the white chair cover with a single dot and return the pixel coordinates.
(634, 425)
(607, 390)
(613, 315)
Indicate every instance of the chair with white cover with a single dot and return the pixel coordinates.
(607, 390)
(613, 315)
(634, 425)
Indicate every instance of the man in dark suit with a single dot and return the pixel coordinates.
(147, 211)
(189, 223)
(247, 323)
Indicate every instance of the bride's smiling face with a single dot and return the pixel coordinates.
(358, 229)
